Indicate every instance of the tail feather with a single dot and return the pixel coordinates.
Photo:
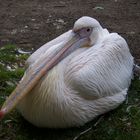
(137, 70)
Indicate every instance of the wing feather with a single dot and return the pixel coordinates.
(102, 70)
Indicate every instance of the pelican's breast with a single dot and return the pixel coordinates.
(53, 103)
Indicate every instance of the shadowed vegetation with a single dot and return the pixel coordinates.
(122, 123)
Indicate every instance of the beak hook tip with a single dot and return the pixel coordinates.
(2, 114)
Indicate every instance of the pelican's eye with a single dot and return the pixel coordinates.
(85, 32)
(88, 29)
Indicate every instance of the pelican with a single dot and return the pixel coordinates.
(72, 79)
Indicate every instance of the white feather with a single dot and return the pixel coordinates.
(87, 83)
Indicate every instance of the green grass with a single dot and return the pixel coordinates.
(122, 123)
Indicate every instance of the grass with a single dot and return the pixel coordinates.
(122, 123)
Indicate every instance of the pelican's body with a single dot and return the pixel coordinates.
(88, 82)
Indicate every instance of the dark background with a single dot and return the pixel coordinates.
(31, 23)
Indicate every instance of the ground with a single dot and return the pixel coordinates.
(29, 24)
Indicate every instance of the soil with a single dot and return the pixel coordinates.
(31, 23)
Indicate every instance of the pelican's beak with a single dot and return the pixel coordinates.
(40, 68)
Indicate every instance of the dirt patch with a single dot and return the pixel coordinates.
(30, 24)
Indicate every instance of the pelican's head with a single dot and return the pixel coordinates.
(87, 26)
(85, 33)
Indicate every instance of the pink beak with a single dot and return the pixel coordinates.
(39, 69)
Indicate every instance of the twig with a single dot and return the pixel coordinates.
(98, 121)
(82, 133)
(87, 130)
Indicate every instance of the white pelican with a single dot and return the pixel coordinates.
(81, 74)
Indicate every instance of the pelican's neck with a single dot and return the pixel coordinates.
(99, 35)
